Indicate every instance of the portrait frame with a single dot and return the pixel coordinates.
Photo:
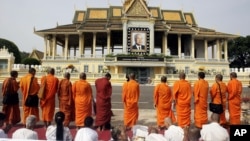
(145, 34)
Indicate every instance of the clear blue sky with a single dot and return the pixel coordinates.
(18, 18)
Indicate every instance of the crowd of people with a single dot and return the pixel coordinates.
(90, 114)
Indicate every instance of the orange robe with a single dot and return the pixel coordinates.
(215, 95)
(12, 112)
(82, 94)
(66, 100)
(182, 95)
(201, 89)
(162, 101)
(34, 88)
(234, 87)
(48, 103)
(131, 94)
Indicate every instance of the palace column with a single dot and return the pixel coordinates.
(225, 50)
(165, 43)
(116, 69)
(205, 49)
(192, 47)
(94, 44)
(218, 49)
(108, 42)
(81, 40)
(179, 45)
(152, 36)
(124, 36)
(163, 70)
(66, 47)
(45, 48)
(54, 47)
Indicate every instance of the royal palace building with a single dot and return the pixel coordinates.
(103, 39)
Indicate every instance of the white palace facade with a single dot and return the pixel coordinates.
(101, 39)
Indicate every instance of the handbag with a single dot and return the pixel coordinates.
(216, 108)
(41, 92)
(31, 100)
(10, 97)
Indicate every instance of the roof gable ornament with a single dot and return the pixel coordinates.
(136, 8)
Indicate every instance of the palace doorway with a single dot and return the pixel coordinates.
(141, 73)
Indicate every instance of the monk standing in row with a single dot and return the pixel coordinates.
(200, 100)
(103, 102)
(48, 103)
(11, 108)
(82, 95)
(234, 87)
(162, 101)
(182, 99)
(29, 84)
(130, 98)
(66, 103)
(217, 90)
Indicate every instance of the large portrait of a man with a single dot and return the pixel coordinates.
(138, 41)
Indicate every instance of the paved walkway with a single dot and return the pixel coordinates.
(146, 117)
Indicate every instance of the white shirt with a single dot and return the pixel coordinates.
(51, 133)
(174, 133)
(86, 134)
(214, 132)
(2, 134)
(155, 137)
(24, 133)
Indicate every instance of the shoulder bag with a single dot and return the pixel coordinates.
(216, 108)
(31, 100)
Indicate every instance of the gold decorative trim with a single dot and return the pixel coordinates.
(117, 12)
(172, 16)
(80, 17)
(154, 13)
(98, 14)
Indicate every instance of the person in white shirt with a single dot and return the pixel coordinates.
(27, 133)
(173, 132)
(58, 131)
(154, 135)
(119, 133)
(87, 133)
(213, 131)
(4, 131)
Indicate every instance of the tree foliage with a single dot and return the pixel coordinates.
(239, 52)
(31, 61)
(11, 48)
(24, 55)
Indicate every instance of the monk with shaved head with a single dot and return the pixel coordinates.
(82, 95)
(218, 91)
(234, 87)
(162, 101)
(48, 103)
(131, 94)
(200, 100)
(66, 104)
(182, 99)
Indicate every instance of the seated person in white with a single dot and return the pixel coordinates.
(119, 134)
(154, 135)
(58, 131)
(87, 133)
(4, 131)
(173, 132)
(27, 133)
(213, 131)
(139, 132)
